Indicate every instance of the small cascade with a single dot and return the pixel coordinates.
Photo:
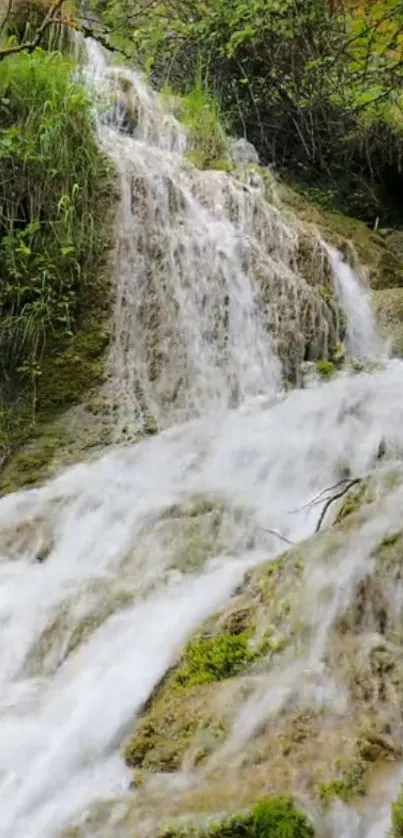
(218, 293)
(361, 337)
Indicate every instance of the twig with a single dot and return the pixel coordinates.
(335, 497)
(319, 497)
(278, 535)
(88, 32)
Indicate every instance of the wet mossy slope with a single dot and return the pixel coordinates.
(57, 199)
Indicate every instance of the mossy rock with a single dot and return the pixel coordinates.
(182, 712)
(321, 753)
(346, 786)
(162, 738)
(188, 714)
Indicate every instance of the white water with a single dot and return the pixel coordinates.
(361, 337)
(113, 567)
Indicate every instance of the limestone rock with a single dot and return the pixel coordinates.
(388, 309)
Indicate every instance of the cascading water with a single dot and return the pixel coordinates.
(88, 633)
(204, 265)
(361, 337)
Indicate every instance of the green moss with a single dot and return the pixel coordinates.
(202, 161)
(273, 817)
(388, 553)
(161, 738)
(27, 466)
(349, 784)
(182, 711)
(185, 716)
(397, 817)
(326, 369)
(214, 658)
(67, 375)
(208, 141)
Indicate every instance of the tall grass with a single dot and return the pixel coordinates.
(53, 184)
(200, 112)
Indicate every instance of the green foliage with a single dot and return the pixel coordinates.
(397, 817)
(278, 818)
(348, 785)
(274, 817)
(317, 91)
(214, 658)
(326, 369)
(53, 194)
(200, 113)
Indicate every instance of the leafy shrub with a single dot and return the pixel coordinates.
(275, 817)
(326, 369)
(315, 86)
(53, 192)
(200, 113)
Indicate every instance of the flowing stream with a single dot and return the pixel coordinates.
(88, 633)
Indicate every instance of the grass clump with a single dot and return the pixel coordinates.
(214, 658)
(397, 817)
(55, 196)
(208, 142)
(51, 193)
(348, 785)
(326, 369)
(274, 817)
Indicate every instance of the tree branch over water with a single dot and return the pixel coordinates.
(30, 46)
(346, 488)
(51, 17)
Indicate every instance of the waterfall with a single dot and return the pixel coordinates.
(362, 339)
(203, 263)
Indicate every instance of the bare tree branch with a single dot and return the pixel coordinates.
(278, 535)
(319, 497)
(101, 39)
(336, 497)
(29, 46)
(6, 16)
